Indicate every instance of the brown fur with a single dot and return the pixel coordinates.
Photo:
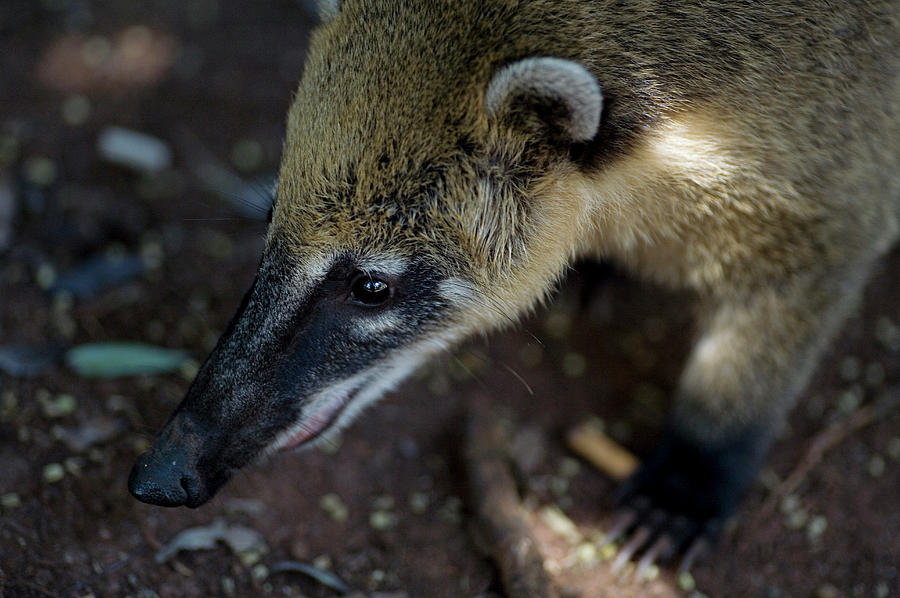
(748, 151)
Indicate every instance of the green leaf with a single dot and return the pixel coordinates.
(114, 360)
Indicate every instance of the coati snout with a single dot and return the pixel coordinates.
(446, 161)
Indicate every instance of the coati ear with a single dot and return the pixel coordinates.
(561, 93)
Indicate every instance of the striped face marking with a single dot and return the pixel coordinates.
(306, 353)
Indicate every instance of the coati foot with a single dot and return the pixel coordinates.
(679, 500)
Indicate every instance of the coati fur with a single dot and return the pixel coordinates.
(446, 160)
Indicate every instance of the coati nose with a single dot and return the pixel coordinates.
(165, 478)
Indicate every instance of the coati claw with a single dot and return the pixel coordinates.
(677, 502)
(624, 520)
(637, 540)
(697, 550)
(661, 550)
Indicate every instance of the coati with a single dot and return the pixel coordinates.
(445, 161)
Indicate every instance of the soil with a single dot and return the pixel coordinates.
(607, 347)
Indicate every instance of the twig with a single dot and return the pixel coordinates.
(507, 534)
(827, 439)
(604, 453)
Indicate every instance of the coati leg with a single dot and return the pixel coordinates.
(755, 354)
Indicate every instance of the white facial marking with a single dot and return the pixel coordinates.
(456, 291)
(375, 324)
(364, 389)
(387, 265)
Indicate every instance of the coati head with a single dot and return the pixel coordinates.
(424, 195)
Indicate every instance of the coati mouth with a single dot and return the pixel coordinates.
(316, 424)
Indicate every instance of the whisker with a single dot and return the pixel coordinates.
(519, 378)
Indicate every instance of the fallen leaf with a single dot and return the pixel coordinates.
(25, 360)
(326, 578)
(238, 538)
(97, 274)
(117, 359)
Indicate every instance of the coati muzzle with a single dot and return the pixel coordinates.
(300, 358)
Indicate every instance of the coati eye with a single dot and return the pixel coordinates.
(369, 291)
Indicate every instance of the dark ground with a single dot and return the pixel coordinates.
(225, 71)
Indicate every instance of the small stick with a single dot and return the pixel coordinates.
(601, 451)
(827, 439)
(503, 524)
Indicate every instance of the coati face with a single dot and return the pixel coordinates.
(415, 206)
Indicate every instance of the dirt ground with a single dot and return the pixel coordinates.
(386, 508)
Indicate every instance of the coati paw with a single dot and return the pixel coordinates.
(658, 536)
(679, 500)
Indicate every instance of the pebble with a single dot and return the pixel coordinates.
(574, 365)
(768, 478)
(559, 486)
(817, 526)
(569, 467)
(560, 524)
(888, 333)
(418, 502)
(850, 399)
(789, 503)
(323, 562)
(334, 506)
(876, 466)
(45, 275)
(40, 171)
(826, 590)
(76, 109)
(73, 465)
(247, 154)
(10, 500)
(96, 51)
(385, 502)
(558, 324)
(134, 150)
(893, 448)
(651, 573)
(797, 519)
(586, 553)
(53, 472)
(382, 520)
(9, 404)
(608, 551)
(152, 254)
(686, 581)
(60, 406)
(259, 572)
